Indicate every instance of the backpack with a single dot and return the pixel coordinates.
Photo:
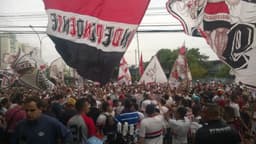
(110, 127)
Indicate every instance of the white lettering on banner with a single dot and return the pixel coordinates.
(105, 35)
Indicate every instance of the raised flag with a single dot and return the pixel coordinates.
(141, 65)
(56, 70)
(153, 73)
(92, 35)
(28, 70)
(229, 27)
(124, 75)
(180, 75)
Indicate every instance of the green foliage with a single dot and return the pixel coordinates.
(197, 70)
(167, 58)
(195, 60)
(223, 71)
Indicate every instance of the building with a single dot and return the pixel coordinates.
(5, 48)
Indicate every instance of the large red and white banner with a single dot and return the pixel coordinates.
(229, 27)
(92, 35)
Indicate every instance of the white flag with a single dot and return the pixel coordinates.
(153, 73)
(180, 73)
(124, 75)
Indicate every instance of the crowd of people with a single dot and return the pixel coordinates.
(206, 113)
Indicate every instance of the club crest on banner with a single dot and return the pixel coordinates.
(229, 27)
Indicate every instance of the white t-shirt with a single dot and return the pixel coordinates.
(144, 104)
(235, 106)
(101, 120)
(179, 129)
(151, 129)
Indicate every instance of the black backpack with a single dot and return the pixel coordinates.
(110, 126)
(110, 129)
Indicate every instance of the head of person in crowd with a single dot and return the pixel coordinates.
(45, 105)
(115, 103)
(229, 114)
(33, 107)
(150, 110)
(70, 103)
(59, 98)
(163, 101)
(146, 95)
(128, 106)
(166, 96)
(210, 112)
(92, 100)
(82, 106)
(17, 98)
(186, 102)
(196, 110)
(180, 113)
(234, 97)
(106, 107)
(220, 92)
(4, 102)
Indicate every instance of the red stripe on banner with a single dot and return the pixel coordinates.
(129, 11)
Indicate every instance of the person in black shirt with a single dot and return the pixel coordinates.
(94, 112)
(215, 131)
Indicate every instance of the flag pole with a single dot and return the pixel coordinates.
(138, 44)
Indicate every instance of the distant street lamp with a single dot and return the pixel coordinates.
(40, 40)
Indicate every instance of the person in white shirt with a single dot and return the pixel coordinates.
(234, 105)
(179, 126)
(151, 127)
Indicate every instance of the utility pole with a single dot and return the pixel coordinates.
(40, 40)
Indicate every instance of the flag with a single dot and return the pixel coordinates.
(141, 65)
(153, 73)
(56, 70)
(7, 78)
(229, 27)
(124, 75)
(28, 69)
(180, 75)
(93, 35)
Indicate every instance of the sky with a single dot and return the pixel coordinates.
(147, 43)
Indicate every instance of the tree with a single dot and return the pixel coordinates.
(197, 63)
(167, 58)
(195, 60)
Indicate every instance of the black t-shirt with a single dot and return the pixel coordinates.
(94, 113)
(217, 132)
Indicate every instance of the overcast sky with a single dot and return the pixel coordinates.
(149, 43)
